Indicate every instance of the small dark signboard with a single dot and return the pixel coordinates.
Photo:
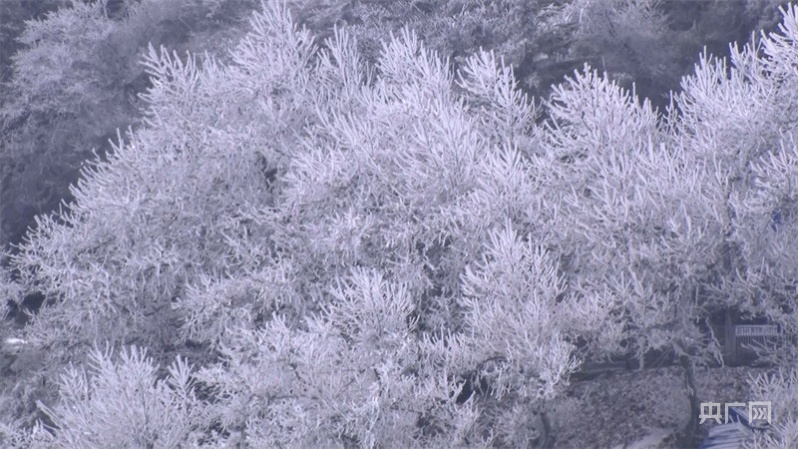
(756, 330)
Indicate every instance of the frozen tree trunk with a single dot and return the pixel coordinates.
(690, 431)
(547, 437)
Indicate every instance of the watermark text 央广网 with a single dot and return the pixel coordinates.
(758, 412)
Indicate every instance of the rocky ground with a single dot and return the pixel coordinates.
(618, 409)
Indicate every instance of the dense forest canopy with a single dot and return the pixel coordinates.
(384, 224)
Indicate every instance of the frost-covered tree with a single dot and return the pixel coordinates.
(740, 121)
(680, 220)
(124, 404)
(353, 375)
(635, 215)
(779, 389)
(386, 255)
(397, 177)
(765, 212)
(296, 212)
(75, 80)
(174, 205)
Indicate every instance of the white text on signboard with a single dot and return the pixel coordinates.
(756, 330)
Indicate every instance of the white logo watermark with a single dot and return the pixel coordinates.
(758, 412)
